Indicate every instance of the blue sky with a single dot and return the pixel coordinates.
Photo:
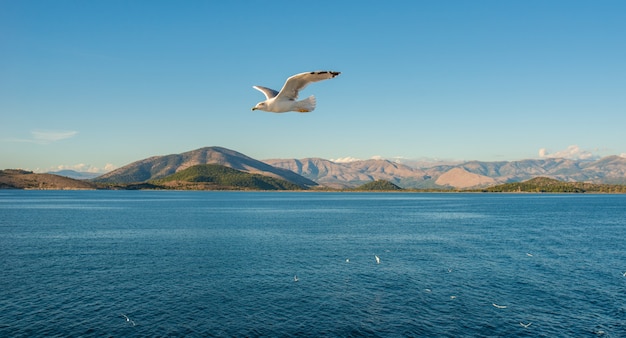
(95, 85)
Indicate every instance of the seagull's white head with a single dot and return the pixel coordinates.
(260, 106)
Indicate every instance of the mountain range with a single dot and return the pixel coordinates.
(472, 174)
(309, 172)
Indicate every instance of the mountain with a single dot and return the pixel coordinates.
(78, 175)
(21, 179)
(609, 170)
(465, 175)
(219, 177)
(156, 167)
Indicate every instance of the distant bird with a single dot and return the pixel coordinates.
(529, 254)
(452, 297)
(525, 325)
(427, 290)
(347, 260)
(128, 320)
(295, 278)
(624, 274)
(499, 306)
(377, 259)
(285, 100)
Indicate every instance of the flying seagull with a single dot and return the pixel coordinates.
(525, 325)
(499, 306)
(377, 259)
(285, 100)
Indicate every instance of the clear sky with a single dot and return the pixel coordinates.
(95, 85)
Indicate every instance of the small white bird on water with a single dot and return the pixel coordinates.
(295, 278)
(377, 259)
(499, 306)
(285, 100)
(128, 320)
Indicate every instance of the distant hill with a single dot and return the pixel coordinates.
(21, 179)
(544, 184)
(219, 177)
(157, 167)
(460, 178)
(379, 185)
(78, 175)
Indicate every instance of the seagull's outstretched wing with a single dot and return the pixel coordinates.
(269, 93)
(297, 82)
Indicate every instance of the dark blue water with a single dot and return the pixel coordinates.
(223, 264)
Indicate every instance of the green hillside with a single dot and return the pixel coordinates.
(218, 177)
(22, 179)
(379, 185)
(544, 184)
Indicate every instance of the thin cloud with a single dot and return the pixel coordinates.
(40, 136)
(48, 136)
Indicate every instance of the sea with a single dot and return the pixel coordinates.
(311, 264)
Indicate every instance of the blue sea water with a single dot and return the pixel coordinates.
(204, 264)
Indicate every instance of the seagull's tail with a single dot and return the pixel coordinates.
(306, 105)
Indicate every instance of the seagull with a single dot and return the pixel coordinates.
(377, 259)
(529, 254)
(128, 320)
(525, 325)
(347, 260)
(499, 306)
(624, 274)
(295, 278)
(285, 100)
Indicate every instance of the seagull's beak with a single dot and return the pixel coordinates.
(253, 108)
